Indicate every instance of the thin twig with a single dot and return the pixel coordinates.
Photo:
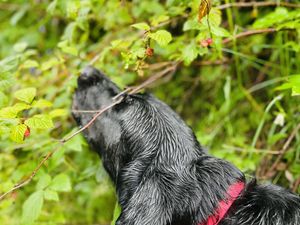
(258, 151)
(248, 33)
(116, 100)
(257, 4)
(28, 179)
(92, 120)
(284, 149)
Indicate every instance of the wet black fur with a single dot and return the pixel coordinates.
(161, 172)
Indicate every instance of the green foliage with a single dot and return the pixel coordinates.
(240, 95)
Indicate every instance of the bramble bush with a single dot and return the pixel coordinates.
(237, 84)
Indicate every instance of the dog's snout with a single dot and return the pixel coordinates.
(89, 76)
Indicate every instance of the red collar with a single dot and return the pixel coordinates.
(233, 192)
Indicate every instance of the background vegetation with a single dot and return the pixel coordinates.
(236, 84)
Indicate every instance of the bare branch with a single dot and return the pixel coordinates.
(249, 33)
(284, 149)
(257, 4)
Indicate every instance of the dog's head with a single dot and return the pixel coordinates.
(138, 126)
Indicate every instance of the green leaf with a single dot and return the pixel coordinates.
(30, 64)
(3, 99)
(41, 103)
(8, 113)
(190, 53)
(192, 24)
(73, 8)
(278, 16)
(220, 32)
(32, 207)
(49, 64)
(141, 26)
(74, 143)
(20, 106)
(43, 182)
(162, 37)
(26, 94)
(58, 113)
(117, 212)
(51, 195)
(39, 122)
(17, 133)
(51, 7)
(159, 19)
(20, 47)
(67, 48)
(61, 182)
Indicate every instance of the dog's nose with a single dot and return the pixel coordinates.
(89, 76)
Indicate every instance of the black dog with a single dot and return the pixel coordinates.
(162, 174)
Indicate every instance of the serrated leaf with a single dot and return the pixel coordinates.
(57, 113)
(51, 195)
(30, 64)
(190, 53)
(61, 182)
(73, 8)
(162, 37)
(141, 26)
(8, 113)
(75, 143)
(17, 133)
(159, 19)
(43, 182)
(20, 106)
(32, 207)
(220, 32)
(66, 48)
(41, 103)
(39, 122)
(26, 94)
(49, 64)
(191, 24)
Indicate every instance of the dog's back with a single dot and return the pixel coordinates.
(162, 174)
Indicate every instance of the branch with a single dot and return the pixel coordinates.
(284, 149)
(257, 4)
(116, 100)
(248, 33)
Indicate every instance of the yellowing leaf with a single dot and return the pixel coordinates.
(141, 26)
(204, 8)
(17, 133)
(49, 64)
(41, 103)
(162, 37)
(8, 113)
(159, 19)
(30, 63)
(39, 122)
(58, 113)
(67, 48)
(26, 94)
